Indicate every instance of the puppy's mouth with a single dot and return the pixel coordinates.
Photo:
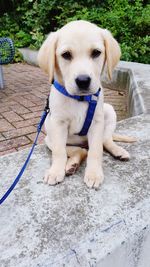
(81, 92)
(88, 91)
(77, 92)
(84, 92)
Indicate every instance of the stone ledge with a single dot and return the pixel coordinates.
(29, 55)
(135, 78)
(71, 225)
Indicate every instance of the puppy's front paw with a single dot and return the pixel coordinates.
(93, 178)
(54, 176)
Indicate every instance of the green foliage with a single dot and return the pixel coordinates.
(18, 56)
(28, 21)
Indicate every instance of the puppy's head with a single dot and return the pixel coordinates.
(76, 54)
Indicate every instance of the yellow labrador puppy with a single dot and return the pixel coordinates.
(75, 57)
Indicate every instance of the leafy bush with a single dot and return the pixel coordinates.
(28, 21)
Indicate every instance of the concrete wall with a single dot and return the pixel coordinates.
(134, 78)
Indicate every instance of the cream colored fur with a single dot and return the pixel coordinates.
(68, 115)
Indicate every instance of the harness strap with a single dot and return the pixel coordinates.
(87, 98)
(89, 117)
(43, 117)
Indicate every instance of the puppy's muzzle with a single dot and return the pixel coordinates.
(83, 82)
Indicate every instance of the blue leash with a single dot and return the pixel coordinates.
(92, 101)
(39, 127)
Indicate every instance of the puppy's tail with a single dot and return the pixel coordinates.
(124, 138)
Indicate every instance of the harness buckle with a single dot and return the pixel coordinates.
(94, 98)
(81, 99)
(47, 109)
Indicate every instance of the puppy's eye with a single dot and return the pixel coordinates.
(95, 53)
(67, 55)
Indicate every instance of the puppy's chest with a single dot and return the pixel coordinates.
(71, 111)
(77, 114)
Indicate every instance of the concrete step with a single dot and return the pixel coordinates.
(70, 225)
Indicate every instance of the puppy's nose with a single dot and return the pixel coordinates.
(83, 82)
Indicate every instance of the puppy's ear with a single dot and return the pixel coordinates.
(112, 51)
(46, 55)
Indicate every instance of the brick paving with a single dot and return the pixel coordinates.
(22, 102)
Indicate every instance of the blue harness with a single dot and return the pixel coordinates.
(91, 99)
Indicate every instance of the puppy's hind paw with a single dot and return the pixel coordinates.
(71, 166)
(121, 154)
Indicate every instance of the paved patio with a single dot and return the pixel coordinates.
(22, 102)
